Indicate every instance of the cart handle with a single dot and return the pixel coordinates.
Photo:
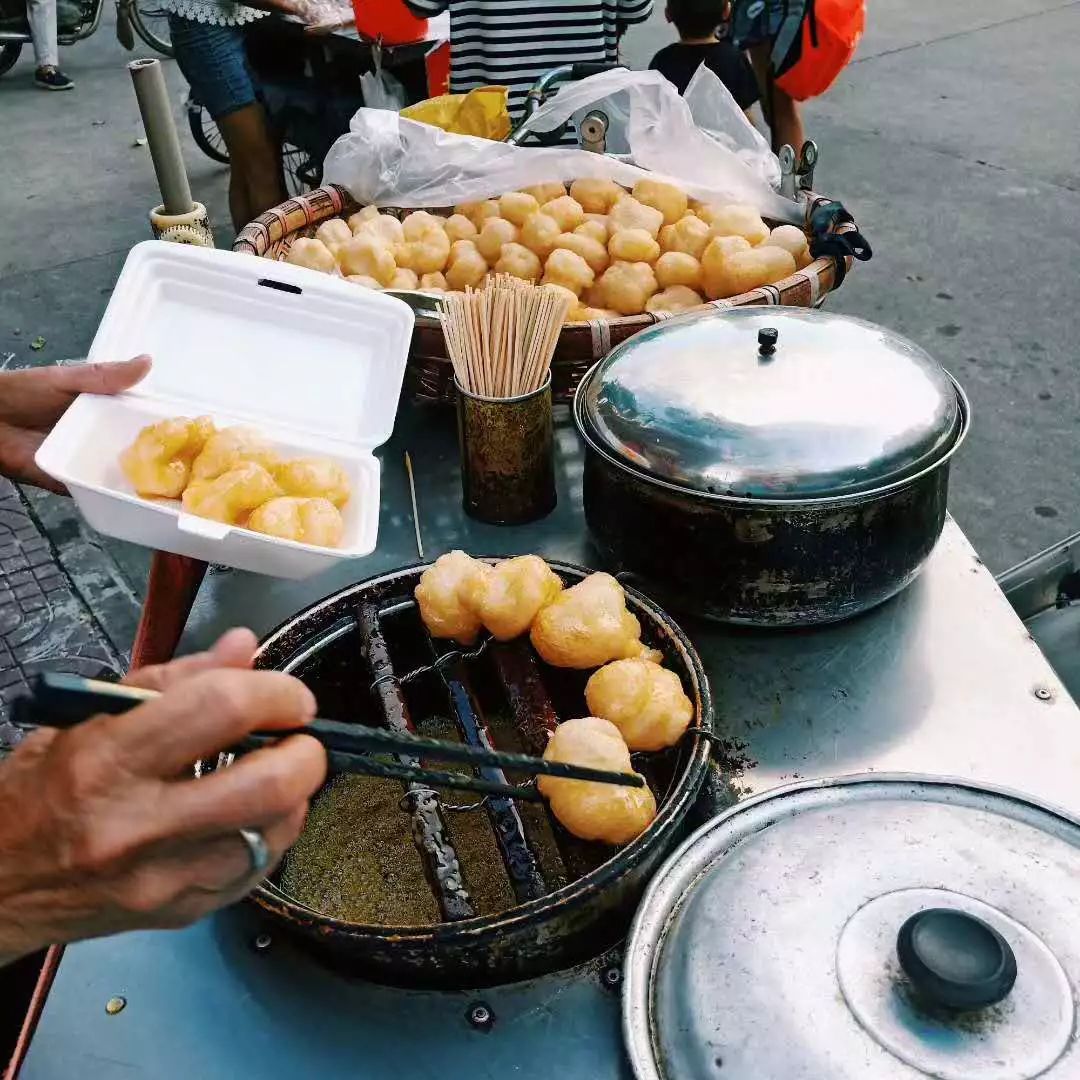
(542, 88)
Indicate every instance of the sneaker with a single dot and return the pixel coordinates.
(52, 78)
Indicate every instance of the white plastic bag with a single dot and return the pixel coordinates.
(382, 90)
(389, 161)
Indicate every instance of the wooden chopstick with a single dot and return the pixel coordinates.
(67, 700)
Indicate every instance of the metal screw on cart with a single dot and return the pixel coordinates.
(115, 1005)
(481, 1017)
(1044, 693)
(262, 942)
(611, 977)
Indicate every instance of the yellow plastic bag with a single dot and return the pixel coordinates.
(482, 112)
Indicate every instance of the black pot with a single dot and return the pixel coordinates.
(785, 552)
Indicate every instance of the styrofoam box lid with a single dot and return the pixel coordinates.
(260, 340)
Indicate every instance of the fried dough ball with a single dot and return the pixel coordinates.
(674, 298)
(312, 253)
(307, 521)
(583, 313)
(678, 268)
(540, 234)
(587, 625)
(668, 199)
(477, 212)
(518, 206)
(368, 255)
(567, 294)
(459, 248)
(628, 213)
(508, 596)
(643, 700)
(158, 462)
(595, 226)
(604, 812)
(625, 287)
(596, 196)
(314, 478)
(468, 270)
(566, 211)
(368, 282)
(633, 245)
(496, 232)
(568, 269)
(384, 227)
(427, 255)
(354, 221)
(232, 495)
(588, 247)
(435, 282)
(333, 233)
(440, 596)
(736, 219)
(792, 239)
(459, 227)
(417, 224)
(745, 270)
(542, 193)
(404, 279)
(714, 261)
(689, 234)
(229, 449)
(518, 261)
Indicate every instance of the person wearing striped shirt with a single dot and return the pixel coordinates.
(512, 43)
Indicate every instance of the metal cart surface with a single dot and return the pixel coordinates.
(944, 679)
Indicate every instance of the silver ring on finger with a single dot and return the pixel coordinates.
(258, 849)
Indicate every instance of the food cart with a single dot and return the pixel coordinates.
(945, 680)
(938, 693)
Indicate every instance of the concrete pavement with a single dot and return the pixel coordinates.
(951, 138)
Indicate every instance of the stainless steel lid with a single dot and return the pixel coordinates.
(778, 404)
(877, 926)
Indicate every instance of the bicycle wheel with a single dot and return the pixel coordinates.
(302, 172)
(151, 23)
(205, 133)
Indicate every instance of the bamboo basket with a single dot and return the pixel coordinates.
(430, 375)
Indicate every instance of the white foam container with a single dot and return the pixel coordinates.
(314, 362)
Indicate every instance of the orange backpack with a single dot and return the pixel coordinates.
(827, 39)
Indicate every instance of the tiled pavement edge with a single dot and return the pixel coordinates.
(46, 624)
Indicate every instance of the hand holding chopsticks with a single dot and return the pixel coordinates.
(67, 700)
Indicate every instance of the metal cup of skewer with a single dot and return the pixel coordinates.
(507, 455)
(501, 340)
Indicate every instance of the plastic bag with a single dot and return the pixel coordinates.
(382, 91)
(387, 160)
(482, 112)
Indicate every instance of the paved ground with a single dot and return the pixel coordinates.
(952, 139)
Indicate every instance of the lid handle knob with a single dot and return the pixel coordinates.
(766, 339)
(955, 960)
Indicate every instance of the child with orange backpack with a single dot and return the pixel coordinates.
(797, 48)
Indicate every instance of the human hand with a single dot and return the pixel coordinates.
(33, 399)
(104, 829)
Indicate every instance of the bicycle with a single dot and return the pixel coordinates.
(76, 21)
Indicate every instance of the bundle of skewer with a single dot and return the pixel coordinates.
(501, 338)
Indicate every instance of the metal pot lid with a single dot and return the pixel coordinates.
(774, 404)
(876, 926)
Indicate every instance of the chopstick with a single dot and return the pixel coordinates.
(66, 700)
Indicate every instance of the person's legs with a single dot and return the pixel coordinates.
(41, 15)
(256, 182)
(781, 111)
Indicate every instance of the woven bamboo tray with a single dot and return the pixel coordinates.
(429, 373)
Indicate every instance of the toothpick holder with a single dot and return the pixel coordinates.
(507, 456)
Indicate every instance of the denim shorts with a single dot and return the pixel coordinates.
(213, 61)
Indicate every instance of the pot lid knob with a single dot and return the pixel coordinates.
(766, 338)
(955, 960)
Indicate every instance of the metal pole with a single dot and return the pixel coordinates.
(149, 81)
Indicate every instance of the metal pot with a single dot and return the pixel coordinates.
(892, 927)
(771, 467)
